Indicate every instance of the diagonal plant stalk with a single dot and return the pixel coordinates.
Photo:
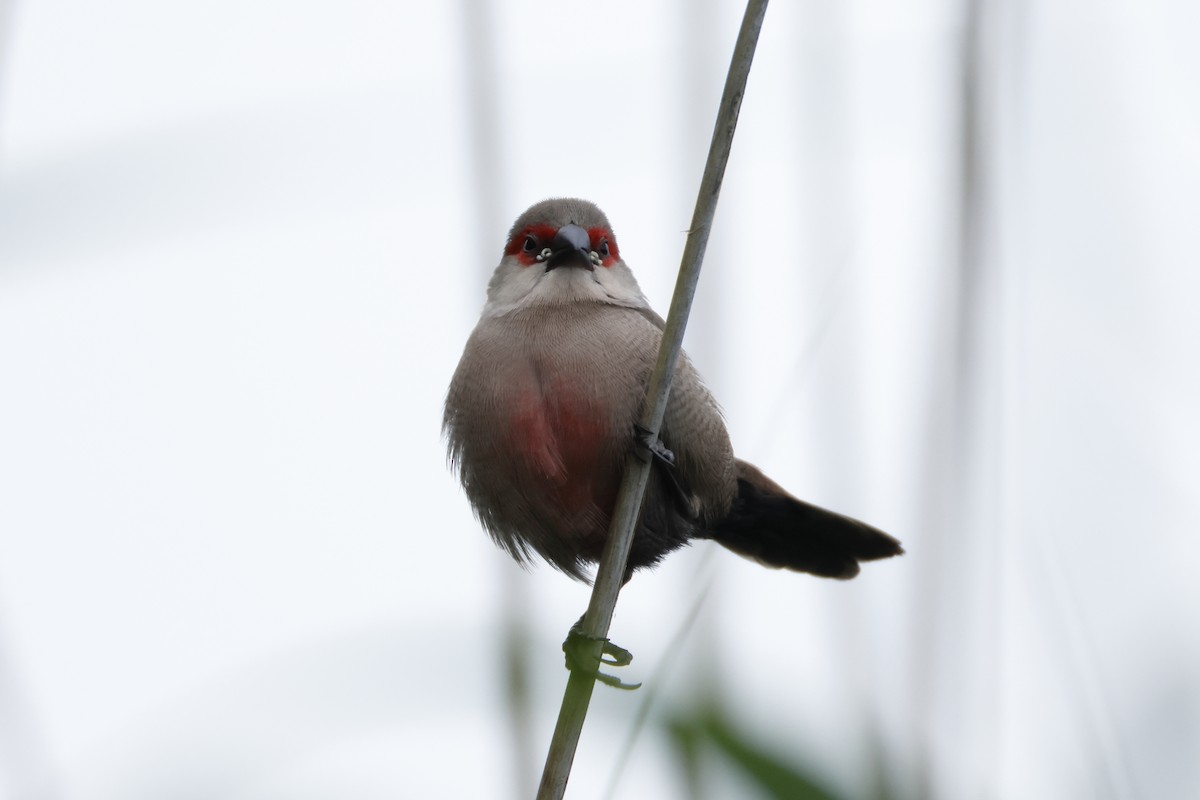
(637, 471)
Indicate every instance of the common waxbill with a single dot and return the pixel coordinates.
(541, 415)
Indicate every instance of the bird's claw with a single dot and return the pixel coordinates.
(653, 445)
(580, 657)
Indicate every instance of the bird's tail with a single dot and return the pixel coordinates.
(773, 528)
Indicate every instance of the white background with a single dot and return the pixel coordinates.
(242, 244)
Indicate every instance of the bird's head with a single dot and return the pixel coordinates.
(561, 251)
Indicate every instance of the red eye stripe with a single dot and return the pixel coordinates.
(544, 234)
(598, 235)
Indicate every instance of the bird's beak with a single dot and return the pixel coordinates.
(570, 248)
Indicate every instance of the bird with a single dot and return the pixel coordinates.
(542, 415)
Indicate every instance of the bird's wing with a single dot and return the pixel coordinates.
(652, 315)
(702, 481)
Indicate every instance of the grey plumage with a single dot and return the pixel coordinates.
(541, 410)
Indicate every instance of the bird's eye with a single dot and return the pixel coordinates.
(529, 245)
(603, 248)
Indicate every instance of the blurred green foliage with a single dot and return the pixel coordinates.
(708, 729)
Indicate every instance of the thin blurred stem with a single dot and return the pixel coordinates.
(479, 54)
(611, 571)
(954, 485)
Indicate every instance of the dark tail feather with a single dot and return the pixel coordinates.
(775, 529)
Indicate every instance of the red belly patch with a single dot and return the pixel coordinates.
(562, 439)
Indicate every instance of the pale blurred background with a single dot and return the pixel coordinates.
(951, 289)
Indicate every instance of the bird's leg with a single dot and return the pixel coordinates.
(652, 445)
(581, 650)
(583, 657)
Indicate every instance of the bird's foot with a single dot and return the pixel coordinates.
(651, 444)
(582, 656)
